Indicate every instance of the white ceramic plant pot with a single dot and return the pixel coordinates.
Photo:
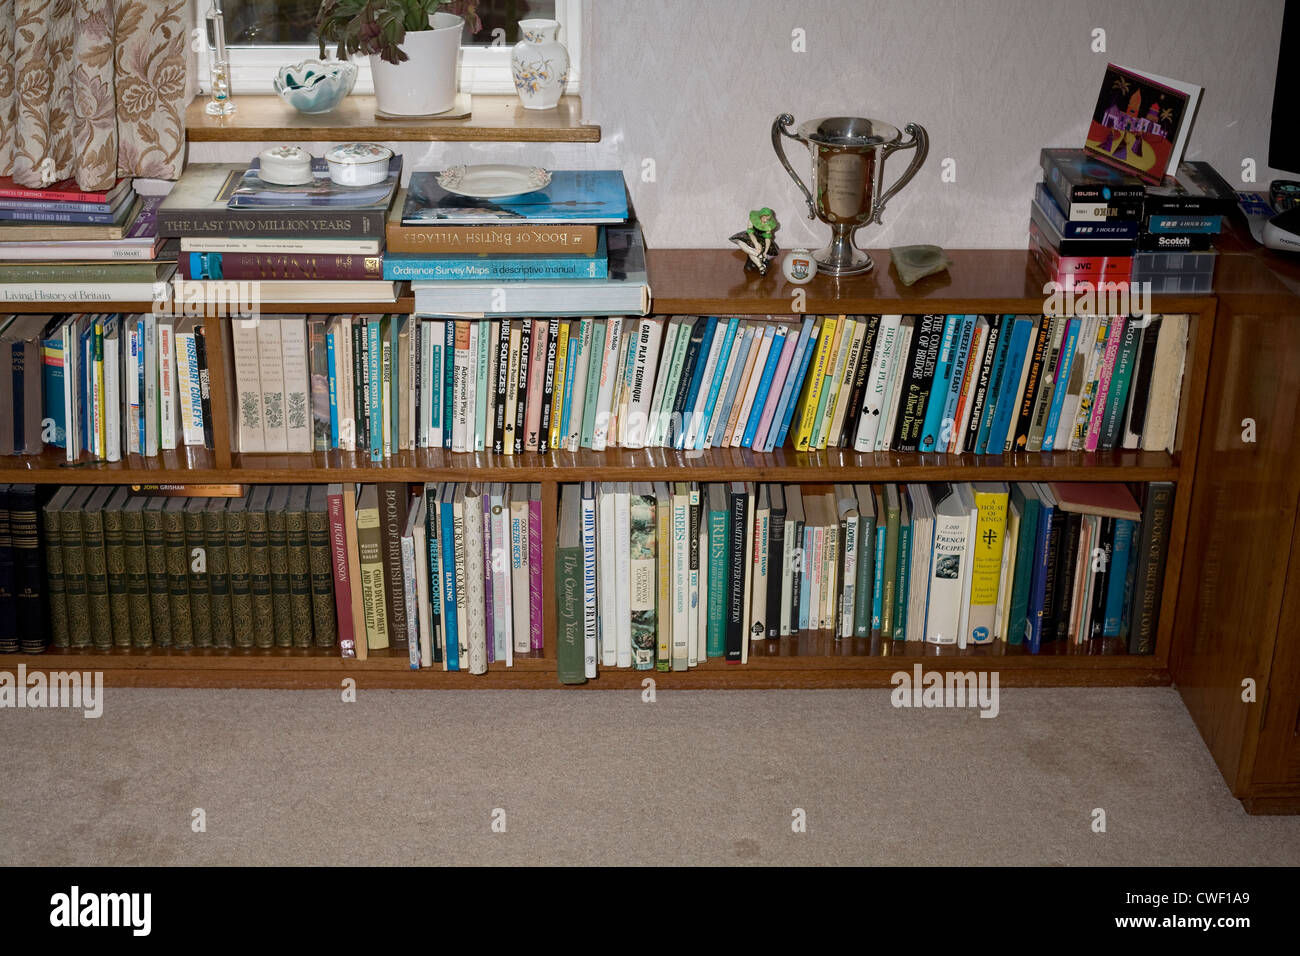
(426, 82)
(540, 64)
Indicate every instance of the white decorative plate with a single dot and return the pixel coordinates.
(493, 180)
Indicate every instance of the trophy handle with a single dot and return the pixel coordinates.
(778, 130)
(920, 141)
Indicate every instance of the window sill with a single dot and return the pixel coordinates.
(495, 118)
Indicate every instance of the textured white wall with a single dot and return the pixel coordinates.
(695, 85)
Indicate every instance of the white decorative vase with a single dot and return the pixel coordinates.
(540, 64)
(425, 84)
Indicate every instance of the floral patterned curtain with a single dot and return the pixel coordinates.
(93, 89)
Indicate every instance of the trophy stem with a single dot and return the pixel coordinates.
(841, 257)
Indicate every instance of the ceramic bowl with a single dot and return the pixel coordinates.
(358, 164)
(315, 86)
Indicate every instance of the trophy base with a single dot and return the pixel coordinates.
(842, 259)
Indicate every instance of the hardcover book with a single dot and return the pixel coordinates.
(592, 196)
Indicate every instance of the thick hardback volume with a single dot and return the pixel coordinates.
(738, 520)
(114, 564)
(248, 385)
(137, 572)
(297, 383)
(324, 631)
(295, 526)
(393, 505)
(200, 596)
(507, 239)
(270, 368)
(74, 567)
(92, 533)
(178, 576)
(340, 568)
(260, 568)
(252, 266)
(569, 588)
(588, 543)
(218, 560)
(1149, 564)
(155, 547)
(986, 566)
(55, 582)
(277, 543)
(238, 560)
(28, 569)
(370, 548)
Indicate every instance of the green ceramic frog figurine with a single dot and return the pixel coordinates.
(758, 242)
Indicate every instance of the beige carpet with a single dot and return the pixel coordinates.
(295, 777)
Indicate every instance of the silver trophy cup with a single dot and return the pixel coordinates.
(848, 160)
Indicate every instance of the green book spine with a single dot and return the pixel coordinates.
(178, 572)
(1020, 584)
(196, 560)
(325, 631)
(295, 521)
(74, 572)
(277, 548)
(92, 536)
(115, 567)
(904, 574)
(642, 568)
(568, 595)
(866, 577)
(54, 579)
(238, 555)
(137, 573)
(719, 537)
(889, 582)
(259, 572)
(155, 549)
(214, 536)
(592, 396)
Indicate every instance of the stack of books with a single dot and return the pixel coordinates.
(570, 248)
(670, 575)
(315, 243)
(1090, 222)
(65, 244)
(101, 386)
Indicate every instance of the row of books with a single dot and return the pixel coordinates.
(985, 384)
(103, 385)
(667, 576)
(1092, 222)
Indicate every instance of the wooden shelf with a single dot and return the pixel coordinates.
(713, 281)
(189, 464)
(502, 119)
(715, 464)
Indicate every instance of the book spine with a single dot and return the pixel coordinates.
(218, 560)
(589, 619)
(271, 374)
(392, 518)
(199, 567)
(262, 620)
(447, 566)
(167, 404)
(339, 568)
(29, 587)
(505, 240)
(299, 560)
(1114, 333)
(663, 562)
(178, 578)
(373, 592)
(253, 266)
(535, 571)
(1152, 548)
(297, 385)
(534, 393)
(737, 522)
(641, 570)
(341, 223)
(277, 547)
(137, 578)
(155, 546)
(397, 267)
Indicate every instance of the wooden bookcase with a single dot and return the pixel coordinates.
(686, 282)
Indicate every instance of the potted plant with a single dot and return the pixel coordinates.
(413, 47)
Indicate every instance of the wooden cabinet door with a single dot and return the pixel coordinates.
(1278, 759)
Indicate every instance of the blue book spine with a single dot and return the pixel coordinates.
(41, 216)
(451, 643)
(1061, 379)
(961, 355)
(570, 363)
(334, 389)
(52, 380)
(878, 576)
(794, 384)
(1017, 352)
(435, 386)
(525, 269)
(140, 380)
(995, 382)
(1120, 556)
(715, 386)
(777, 427)
(1038, 582)
(693, 393)
(764, 386)
(448, 368)
(375, 391)
(741, 349)
(42, 205)
(939, 386)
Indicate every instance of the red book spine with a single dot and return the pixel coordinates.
(535, 572)
(342, 582)
(251, 266)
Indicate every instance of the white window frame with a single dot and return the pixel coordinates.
(484, 70)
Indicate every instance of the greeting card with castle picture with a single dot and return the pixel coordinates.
(1141, 122)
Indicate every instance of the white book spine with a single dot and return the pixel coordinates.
(608, 376)
(660, 383)
(460, 396)
(166, 384)
(947, 573)
(607, 576)
(702, 605)
(872, 407)
(885, 437)
(112, 402)
(477, 617)
(132, 381)
(502, 589)
(297, 383)
(623, 573)
(187, 386)
(643, 382)
(422, 587)
(848, 591)
(270, 366)
(589, 640)
(471, 387)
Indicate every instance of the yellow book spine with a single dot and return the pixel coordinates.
(101, 432)
(816, 383)
(835, 382)
(986, 566)
(561, 367)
